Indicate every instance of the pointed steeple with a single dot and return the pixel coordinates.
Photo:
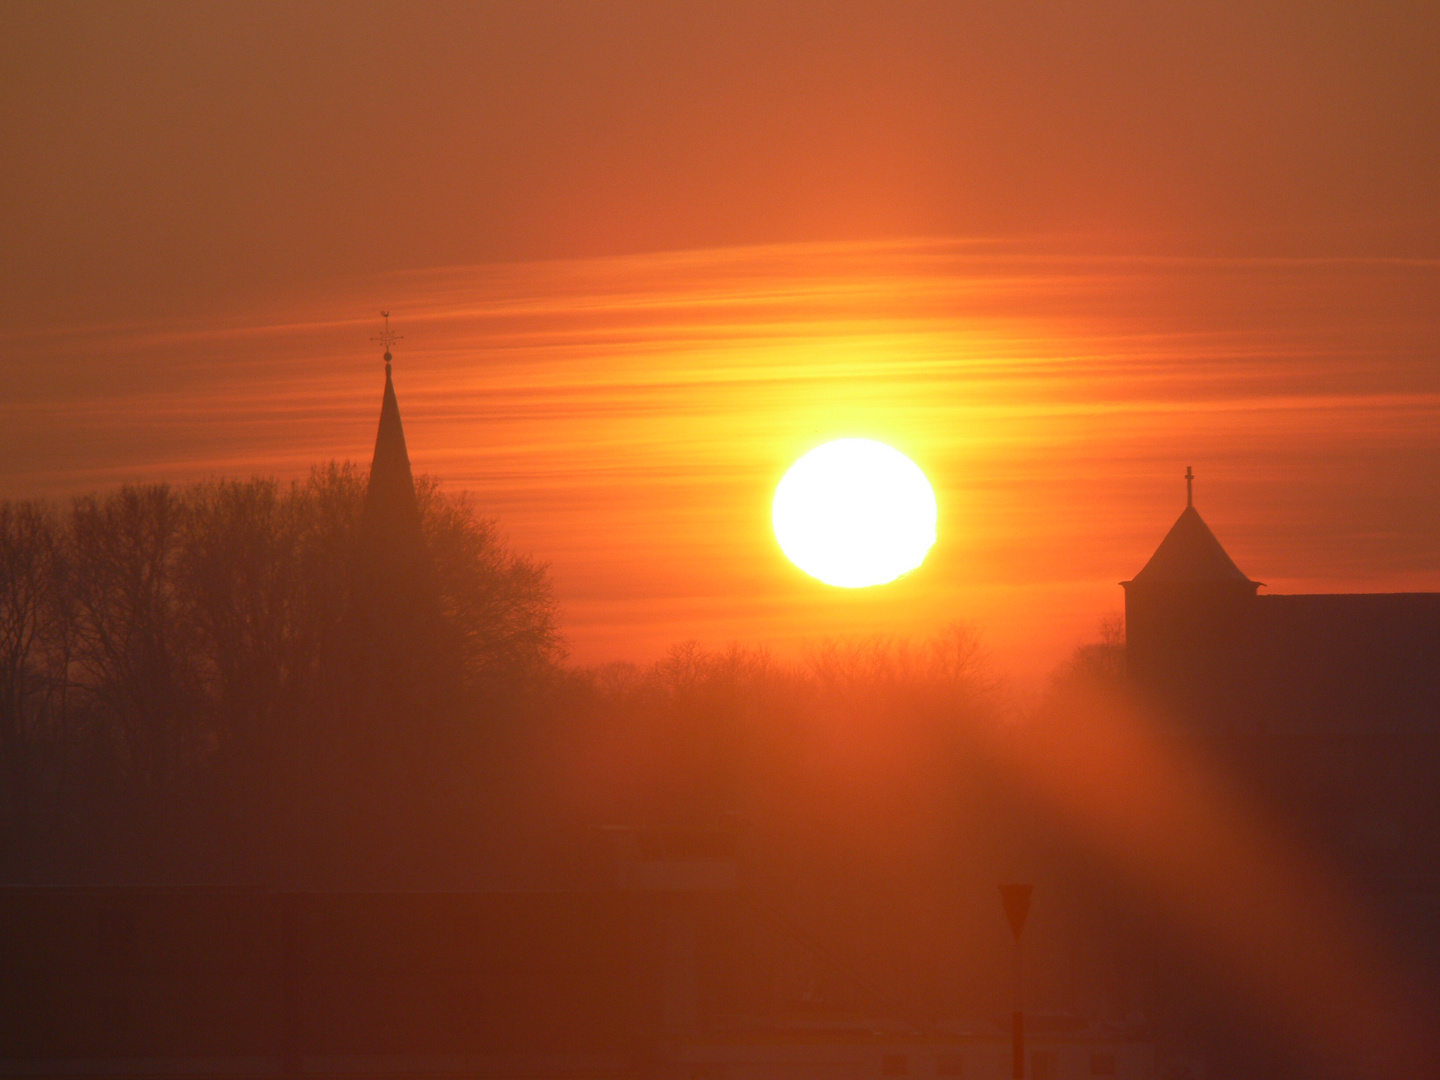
(390, 675)
(392, 599)
(390, 523)
(390, 506)
(1190, 554)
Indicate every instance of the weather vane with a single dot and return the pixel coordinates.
(387, 337)
(1189, 485)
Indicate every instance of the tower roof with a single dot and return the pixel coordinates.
(391, 545)
(1190, 554)
(391, 492)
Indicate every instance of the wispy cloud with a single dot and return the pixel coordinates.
(627, 418)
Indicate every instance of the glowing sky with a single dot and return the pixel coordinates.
(644, 255)
(628, 418)
(159, 153)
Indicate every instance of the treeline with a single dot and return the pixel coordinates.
(172, 658)
(187, 695)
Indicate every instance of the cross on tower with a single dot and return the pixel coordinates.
(1189, 483)
(386, 338)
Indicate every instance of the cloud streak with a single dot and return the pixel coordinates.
(626, 418)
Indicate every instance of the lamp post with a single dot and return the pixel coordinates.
(1016, 899)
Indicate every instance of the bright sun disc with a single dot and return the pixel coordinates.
(854, 513)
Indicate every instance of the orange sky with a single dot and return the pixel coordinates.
(158, 154)
(645, 254)
(627, 418)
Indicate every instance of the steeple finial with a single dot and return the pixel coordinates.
(1189, 486)
(386, 338)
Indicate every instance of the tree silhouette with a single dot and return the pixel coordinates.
(34, 652)
(177, 680)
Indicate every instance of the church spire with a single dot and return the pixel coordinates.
(390, 522)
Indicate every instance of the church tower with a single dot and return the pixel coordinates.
(391, 549)
(394, 629)
(390, 682)
(1189, 615)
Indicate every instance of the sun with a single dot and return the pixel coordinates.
(855, 513)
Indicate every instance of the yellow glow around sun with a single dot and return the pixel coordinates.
(855, 512)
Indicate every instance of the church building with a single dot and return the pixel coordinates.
(1204, 641)
(1324, 707)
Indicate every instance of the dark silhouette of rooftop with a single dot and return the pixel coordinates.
(1202, 642)
(391, 555)
(1189, 553)
(390, 507)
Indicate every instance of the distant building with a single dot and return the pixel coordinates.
(392, 592)
(1328, 703)
(1203, 641)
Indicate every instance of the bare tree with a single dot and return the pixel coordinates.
(499, 604)
(259, 580)
(33, 651)
(178, 665)
(135, 655)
